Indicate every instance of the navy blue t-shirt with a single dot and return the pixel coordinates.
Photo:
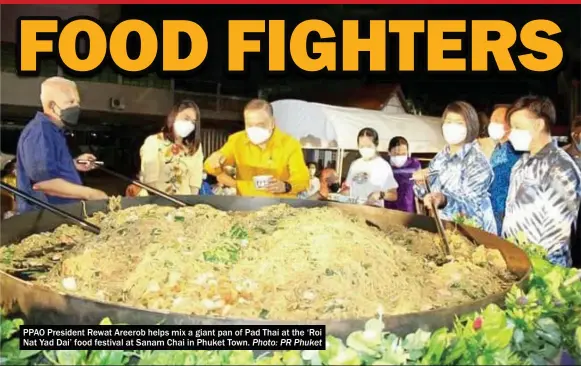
(42, 154)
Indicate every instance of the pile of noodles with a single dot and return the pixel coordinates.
(289, 264)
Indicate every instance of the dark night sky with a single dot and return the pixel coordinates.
(480, 89)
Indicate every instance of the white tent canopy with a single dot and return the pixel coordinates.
(325, 126)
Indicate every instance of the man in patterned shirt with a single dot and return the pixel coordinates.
(545, 185)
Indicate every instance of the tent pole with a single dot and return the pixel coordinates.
(339, 163)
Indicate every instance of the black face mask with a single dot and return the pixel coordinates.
(70, 115)
(334, 187)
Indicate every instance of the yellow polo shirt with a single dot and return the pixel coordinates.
(282, 158)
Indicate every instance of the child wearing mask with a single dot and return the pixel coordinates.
(314, 183)
(370, 178)
(403, 166)
(330, 183)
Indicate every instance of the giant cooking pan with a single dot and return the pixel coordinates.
(40, 305)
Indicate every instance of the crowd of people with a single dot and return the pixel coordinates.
(514, 180)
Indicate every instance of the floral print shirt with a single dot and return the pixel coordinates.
(464, 178)
(169, 167)
(543, 201)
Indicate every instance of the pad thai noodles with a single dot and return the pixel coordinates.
(279, 263)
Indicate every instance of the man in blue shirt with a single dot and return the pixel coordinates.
(45, 167)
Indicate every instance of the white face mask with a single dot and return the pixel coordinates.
(183, 127)
(398, 160)
(367, 152)
(496, 131)
(204, 176)
(454, 133)
(520, 139)
(258, 135)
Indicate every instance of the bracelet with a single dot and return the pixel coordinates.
(287, 187)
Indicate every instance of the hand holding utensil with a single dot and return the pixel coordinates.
(439, 225)
(421, 176)
(101, 166)
(47, 206)
(89, 162)
(83, 162)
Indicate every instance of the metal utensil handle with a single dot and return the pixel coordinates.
(439, 224)
(47, 206)
(96, 162)
(136, 182)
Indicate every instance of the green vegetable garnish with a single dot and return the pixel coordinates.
(8, 255)
(238, 232)
(263, 314)
(226, 254)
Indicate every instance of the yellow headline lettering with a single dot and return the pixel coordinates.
(438, 42)
(118, 45)
(238, 45)
(276, 45)
(171, 32)
(30, 46)
(375, 45)
(326, 51)
(499, 48)
(407, 30)
(531, 40)
(313, 45)
(68, 40)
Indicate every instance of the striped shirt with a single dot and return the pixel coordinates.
(543, 201)
(464, 178)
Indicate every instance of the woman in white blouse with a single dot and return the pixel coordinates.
(172, 160)
(370, 178)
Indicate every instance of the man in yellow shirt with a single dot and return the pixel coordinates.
(262, 150)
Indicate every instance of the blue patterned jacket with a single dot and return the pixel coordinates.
(464, 178)
(543, 201)
(502, 160)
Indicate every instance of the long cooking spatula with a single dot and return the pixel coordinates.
(439, 224)
(99, 165)
(47, 206)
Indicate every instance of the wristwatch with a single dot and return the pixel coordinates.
(381, 195)
(287, 187)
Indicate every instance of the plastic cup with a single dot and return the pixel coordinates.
(261, 181)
